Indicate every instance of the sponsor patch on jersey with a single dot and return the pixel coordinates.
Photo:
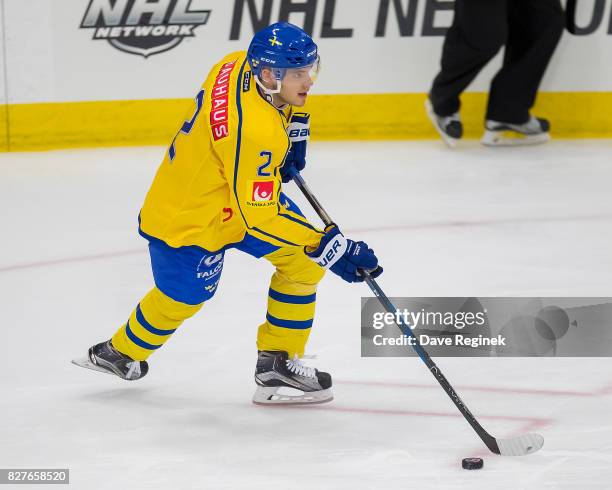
(262, 193)
(208, 272)
(213, 259)
(246, 81)
(219, 112)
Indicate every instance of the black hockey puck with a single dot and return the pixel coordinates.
(472, 463)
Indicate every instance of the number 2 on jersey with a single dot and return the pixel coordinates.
(261, 170)
(187, 125)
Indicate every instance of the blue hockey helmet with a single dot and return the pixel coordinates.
(280, 47)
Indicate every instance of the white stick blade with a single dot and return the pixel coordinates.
(520, 445)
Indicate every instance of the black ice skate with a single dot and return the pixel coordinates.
(284, 381)
(105, 358)
(449, 127)
(532, 132)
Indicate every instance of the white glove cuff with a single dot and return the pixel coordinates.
(333, 251)
(298, 131)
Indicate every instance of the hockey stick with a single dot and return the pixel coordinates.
(514, 446)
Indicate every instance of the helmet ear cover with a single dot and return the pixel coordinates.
(277, 74)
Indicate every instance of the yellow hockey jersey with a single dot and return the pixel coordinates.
(220, 176)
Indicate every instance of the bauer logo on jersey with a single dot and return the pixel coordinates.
(143, 28)
(262, 193)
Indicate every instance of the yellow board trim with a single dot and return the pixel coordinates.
(334, 117)
(4, 128)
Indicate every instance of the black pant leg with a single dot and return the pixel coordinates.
(535, 27)
(478, 31)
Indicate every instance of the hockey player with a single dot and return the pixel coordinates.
(219, 187)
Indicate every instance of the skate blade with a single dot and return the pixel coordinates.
(272, 396)
(448, 140)
(86, 363)
(513, 138)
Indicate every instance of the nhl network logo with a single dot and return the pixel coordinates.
(144, 27)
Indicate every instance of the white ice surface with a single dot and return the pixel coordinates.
(473, 222)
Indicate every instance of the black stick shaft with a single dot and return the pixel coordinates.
(489, 440)
(314, 202)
